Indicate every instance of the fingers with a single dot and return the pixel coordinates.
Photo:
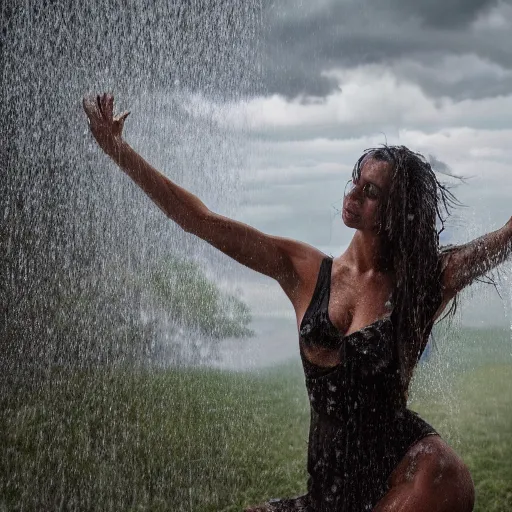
(109, 106)
(99, 107)
(105, 104)
(99, 104)
(121, 117)
(90, 106)
(119, 122)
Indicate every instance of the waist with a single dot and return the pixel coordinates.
(343, 402)
(358, 456)
(360, 431)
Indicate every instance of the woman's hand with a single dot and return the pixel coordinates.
(106, 129)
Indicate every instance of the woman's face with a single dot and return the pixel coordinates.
(363, 199)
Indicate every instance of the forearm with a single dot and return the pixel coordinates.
(474, 259)
(178, 204)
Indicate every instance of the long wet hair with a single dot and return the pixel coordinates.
(408, 224)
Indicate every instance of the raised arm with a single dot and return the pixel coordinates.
(276, 257)
(467, 262)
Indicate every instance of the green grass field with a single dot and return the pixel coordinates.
(477, 423)
(207, 440)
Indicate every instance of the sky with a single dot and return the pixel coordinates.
(262, 107)
(337, 77)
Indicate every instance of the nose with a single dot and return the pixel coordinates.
(356, 193)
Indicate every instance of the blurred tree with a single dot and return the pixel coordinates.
(73, 233)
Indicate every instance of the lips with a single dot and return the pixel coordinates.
(350, 212)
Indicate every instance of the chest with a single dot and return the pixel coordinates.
(357, 301)
(352, 302)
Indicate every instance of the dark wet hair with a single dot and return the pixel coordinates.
(416, 203)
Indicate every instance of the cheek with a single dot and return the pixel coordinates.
(372, 210)
(372, 215)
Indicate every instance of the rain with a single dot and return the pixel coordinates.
(140, 368)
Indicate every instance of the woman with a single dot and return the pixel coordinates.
(364, 319)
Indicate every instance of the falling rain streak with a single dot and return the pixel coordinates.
(101, 294)
(98, 286)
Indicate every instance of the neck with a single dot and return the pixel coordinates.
(365, 252)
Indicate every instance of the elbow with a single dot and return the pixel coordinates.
(195, 223)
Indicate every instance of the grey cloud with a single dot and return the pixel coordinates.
(442, 13)
(230, 49)
(434, 13)
(468, 76)
(300, 43)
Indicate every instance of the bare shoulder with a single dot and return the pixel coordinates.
(292, 263)
(305, 261)
(286, 260)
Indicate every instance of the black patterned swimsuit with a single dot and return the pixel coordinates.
(360, 425)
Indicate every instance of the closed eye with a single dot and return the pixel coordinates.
(372, 191)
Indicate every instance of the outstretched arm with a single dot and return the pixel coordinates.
(467, 262)
(176, 202)
(276, 257)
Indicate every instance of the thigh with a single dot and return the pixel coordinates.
(430, 478)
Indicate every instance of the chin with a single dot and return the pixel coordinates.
(349, 221)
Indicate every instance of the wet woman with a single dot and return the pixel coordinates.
(363, 318)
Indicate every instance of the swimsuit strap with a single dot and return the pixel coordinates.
(322, 290)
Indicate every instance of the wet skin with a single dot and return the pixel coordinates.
(359, 289)
(431, 476)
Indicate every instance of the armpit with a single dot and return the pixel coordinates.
(445, 253)
(447, 271)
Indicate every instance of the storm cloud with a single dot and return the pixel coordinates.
(452, 48)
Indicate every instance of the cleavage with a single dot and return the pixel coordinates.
(353, 310)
